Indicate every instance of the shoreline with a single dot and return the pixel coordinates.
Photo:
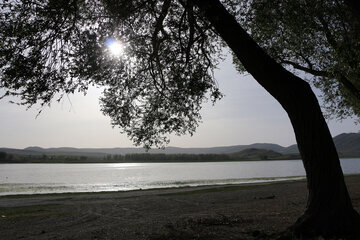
(253, 211)
(257, 181)
(271, 180)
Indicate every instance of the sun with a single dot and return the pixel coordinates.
(115, 47)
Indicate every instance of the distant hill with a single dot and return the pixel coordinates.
(66, 151)
(347, 144)
(293, 149)
(254, 153)
(20, 151)
(167, 150)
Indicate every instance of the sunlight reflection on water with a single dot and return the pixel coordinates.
(59, 178)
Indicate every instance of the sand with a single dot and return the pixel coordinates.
(211, 212)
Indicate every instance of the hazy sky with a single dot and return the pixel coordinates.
(247, 114)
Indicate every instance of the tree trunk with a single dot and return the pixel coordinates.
(329, 210)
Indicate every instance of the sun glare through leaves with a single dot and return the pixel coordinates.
(115, 47)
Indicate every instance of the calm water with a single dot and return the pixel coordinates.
(57, 178)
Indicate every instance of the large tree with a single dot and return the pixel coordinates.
(55, 47)
(318, 38)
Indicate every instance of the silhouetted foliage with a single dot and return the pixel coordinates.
(319, 38)
(51, 48)
(176, 157)
(147, 157)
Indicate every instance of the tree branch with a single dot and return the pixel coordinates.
(305, 69)
(338, 76)
(349, 86)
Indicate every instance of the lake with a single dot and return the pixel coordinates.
(60, 178)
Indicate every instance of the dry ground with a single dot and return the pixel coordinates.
(213, 212)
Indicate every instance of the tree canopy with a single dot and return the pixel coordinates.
(51, 48)
(318, 38)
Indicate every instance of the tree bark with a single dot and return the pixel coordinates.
(329, 211)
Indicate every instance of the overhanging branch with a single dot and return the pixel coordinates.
(306, 69)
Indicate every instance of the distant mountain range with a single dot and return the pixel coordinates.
(347, 144)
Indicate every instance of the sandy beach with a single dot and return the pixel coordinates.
(211, 212)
